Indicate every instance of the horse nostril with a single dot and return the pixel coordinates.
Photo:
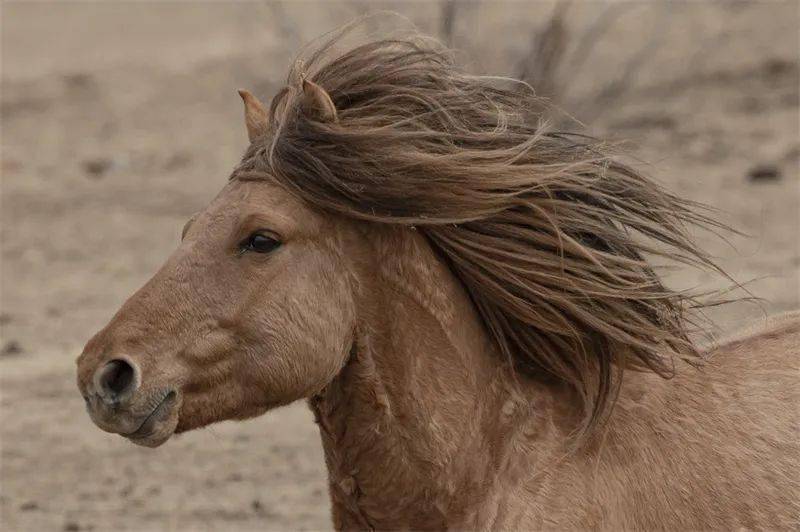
(116, 379)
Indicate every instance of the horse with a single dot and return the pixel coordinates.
(457, 290)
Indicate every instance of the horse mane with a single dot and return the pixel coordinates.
(549, 232)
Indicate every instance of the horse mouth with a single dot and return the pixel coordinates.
(160, 423)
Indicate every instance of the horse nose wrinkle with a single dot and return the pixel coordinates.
(116, 381)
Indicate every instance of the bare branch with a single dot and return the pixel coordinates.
(540, 66)
(447, 21)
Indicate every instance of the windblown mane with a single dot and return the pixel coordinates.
(547, 231)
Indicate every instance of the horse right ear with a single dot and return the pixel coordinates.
(317, 102)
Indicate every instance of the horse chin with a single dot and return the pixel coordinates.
(153, 440)
(160, 428)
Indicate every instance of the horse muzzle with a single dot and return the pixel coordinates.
(116, 403)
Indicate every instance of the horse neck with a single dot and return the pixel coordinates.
(422, 416)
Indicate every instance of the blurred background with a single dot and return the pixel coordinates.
(121, 119)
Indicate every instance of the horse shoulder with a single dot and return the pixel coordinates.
(727, 431)
(713, 447)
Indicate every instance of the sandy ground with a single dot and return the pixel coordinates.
(120, 120)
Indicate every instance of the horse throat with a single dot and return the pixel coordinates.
(422, 419)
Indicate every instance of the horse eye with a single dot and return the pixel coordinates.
(260, 243)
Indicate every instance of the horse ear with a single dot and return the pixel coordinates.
(255, 116)
(317, 103)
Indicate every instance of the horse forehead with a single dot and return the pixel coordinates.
(240, 195)
(241, 202)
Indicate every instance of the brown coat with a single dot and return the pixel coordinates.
(463, 298)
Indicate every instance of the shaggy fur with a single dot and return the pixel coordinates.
(455, 289)
(546, 230)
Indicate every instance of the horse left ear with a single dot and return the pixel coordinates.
(255, 116)
(317, 103)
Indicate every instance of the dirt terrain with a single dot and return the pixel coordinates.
(120, 120)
